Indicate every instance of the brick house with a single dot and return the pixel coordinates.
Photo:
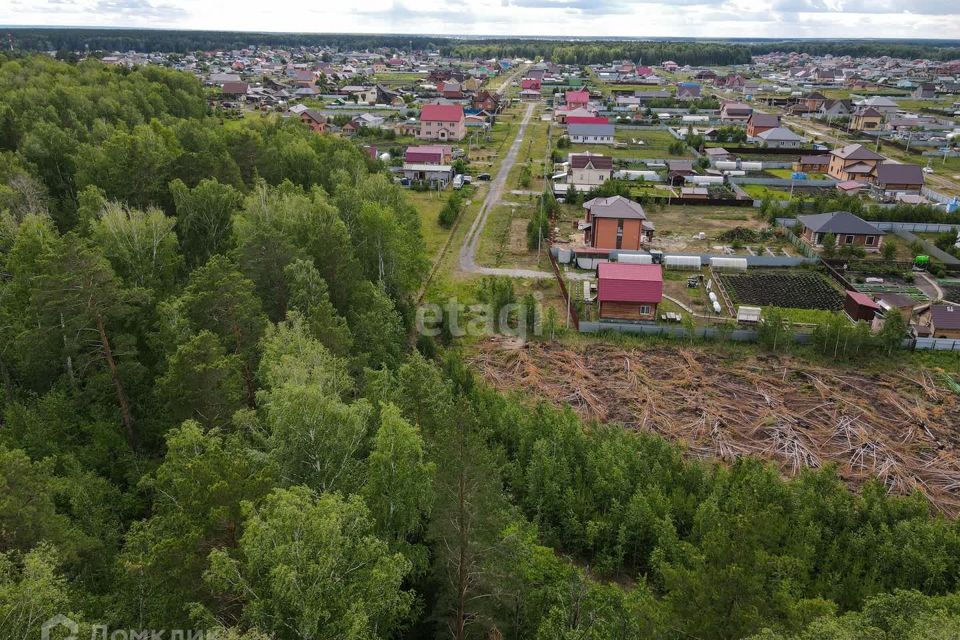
(615, 223)
(848, 229)
(760, 122)
(852, 162)
(315, 120)
(442, 122)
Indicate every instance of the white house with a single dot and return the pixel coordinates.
(590, 133)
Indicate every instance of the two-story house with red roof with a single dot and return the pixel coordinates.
(442, 122)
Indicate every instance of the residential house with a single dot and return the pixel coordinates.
(832, 109)
(687, 91)
(760, 122)
(529, 95)
(866, 119)
(561, 115)
(852, 162)
(848, 230)
(451, 90)
(587, 120)
(577, 99)
(629, 291)
(429, 154)
(486, 101)
(882, 104)
(924, 91)
(436, 175)
(812, 164)
(234, 90)
(735, 112)
(944, 321)
(442, 122)
(813, 101)
(315, 120)
(591, 133)
(588, 169)
(615, 223)
(891, 179)
(530, 83)
(780, 138)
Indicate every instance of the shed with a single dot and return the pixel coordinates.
(860, 306)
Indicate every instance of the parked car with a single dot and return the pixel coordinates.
(458, 181)
(484, 176)
(928, 169)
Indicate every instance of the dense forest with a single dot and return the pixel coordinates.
(909, 49)
(67, 39)
(214, 416)
(653, 51)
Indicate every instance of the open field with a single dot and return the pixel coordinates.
(898, 427)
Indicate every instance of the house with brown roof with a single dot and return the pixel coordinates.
(890, 179)
(615, 223)
(234, 89)
(813, 100)
(866, 119)
(945, 321)
(847, 229)
(734, 112)
(853, 162)
(315, 120)
(442, 122)
(486, 101)
(812, 164)
(760, 122)
(588, 169)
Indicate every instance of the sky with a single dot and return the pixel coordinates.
(625, 18)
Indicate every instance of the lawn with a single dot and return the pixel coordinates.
(786, 174)
(759, 192)
(429, 204)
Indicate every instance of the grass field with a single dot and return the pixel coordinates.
(429, 204)
(760, 192)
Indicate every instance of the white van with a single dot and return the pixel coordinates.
(458, 181)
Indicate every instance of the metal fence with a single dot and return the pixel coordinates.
(936, 344)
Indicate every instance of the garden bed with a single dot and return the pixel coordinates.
(783, 288)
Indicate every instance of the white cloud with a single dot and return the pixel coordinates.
(584, 18)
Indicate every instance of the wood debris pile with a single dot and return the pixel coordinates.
(900, 427)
